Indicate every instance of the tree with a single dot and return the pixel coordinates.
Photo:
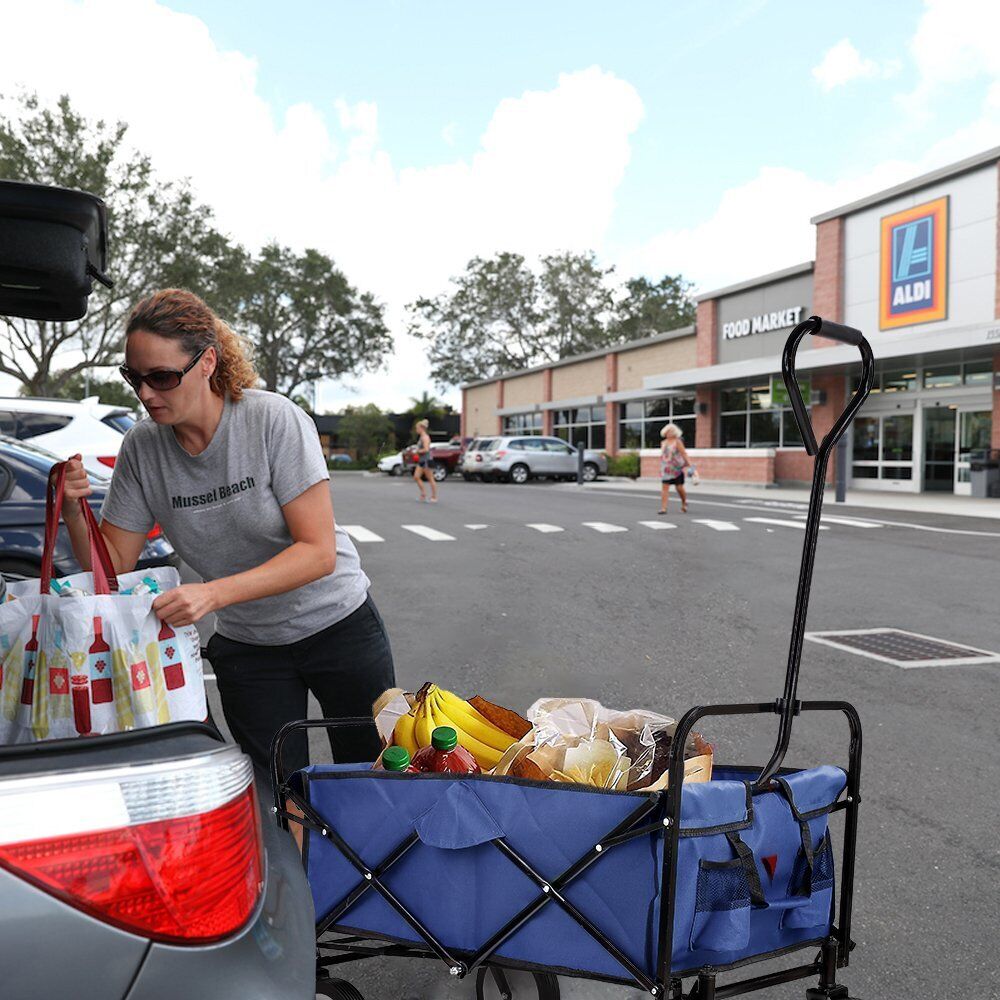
(158, 235)
(426, 407)
(365, 429)
(648, 308)
(112, 391)
(486, 325)
(575, 303)
(304, 318)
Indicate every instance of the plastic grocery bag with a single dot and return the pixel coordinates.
(100, 662)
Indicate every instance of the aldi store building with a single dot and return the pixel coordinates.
(914, 267)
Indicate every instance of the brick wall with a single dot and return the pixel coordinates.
(794, 465)
(669, 356)
(585, 378)
(524, 390)
(479, 405)
(828, 275)
(705, 424)
(706, 321)
(547, 398)
(498, 423)
(738, 468)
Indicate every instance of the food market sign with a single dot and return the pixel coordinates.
(913, 281)
(780, 320)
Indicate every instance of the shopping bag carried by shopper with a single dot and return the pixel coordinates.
(83, 655)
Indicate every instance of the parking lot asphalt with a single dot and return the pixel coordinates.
(548, 589)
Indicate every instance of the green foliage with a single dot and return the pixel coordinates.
(303, 317)
(366, 430)
(361, 465)
(500, 316)
(426, 407)
(626, 464)
(112, 391)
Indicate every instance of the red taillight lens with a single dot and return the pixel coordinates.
(189, 880)
(108, 460)
(499, 454)
(154, 532)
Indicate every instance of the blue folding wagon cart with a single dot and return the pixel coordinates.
(659, 891)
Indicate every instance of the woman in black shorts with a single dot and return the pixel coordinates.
(673, 461)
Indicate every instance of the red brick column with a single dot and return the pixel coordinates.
(499, 405)
(611, 385)
(465, 416)
(828, 275)
(706, 333)
(705, 424)
(547, 398)
(797, 465)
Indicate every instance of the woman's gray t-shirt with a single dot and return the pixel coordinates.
(221, 510)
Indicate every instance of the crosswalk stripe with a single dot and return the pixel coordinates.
(801, 525)
(431, 534)
(476, 527)
(850, 521)
(717, 525)
(603, 527)
(361, 534)
(657, 525)
(545, 529)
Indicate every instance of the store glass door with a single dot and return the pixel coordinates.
(939, 449)
(883, 451)
(974, 434)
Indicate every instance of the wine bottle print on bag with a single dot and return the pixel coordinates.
(170, 657)
(99, 661)
(30, 659)
(58, 664)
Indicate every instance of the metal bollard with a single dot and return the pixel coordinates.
(841, 471)
(579, 462)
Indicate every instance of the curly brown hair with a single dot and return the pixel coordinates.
(181, 315)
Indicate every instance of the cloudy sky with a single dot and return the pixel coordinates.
(402, 138)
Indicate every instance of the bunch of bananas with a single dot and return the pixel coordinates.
(434, 706)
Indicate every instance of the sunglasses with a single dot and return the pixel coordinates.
(162, 379)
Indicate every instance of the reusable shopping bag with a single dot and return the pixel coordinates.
(88, 665)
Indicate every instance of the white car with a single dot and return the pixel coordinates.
(393, 464)
(67, 427)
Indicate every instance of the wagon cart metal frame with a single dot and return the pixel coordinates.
(657, 815)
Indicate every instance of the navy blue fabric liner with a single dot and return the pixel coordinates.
(464, 890)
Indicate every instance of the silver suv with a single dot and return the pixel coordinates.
(518, 459)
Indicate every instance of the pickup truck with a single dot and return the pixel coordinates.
(133, 865)
(445, 457)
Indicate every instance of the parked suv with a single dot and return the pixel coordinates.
(518, 459)
(67, 427)
(471, 465)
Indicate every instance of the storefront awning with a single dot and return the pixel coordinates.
(885, 346)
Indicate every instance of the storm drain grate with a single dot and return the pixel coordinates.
(904, 649)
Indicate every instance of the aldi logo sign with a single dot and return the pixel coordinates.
(913, 285)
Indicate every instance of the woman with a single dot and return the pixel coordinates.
(673, 461)
(237, 479)
(423, 469)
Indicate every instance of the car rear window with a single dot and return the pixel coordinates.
(487, 444)
(122, 422)
(31, 425)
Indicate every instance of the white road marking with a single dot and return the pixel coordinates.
(717, 525)
(431, 534)
(850, 521)
(361, 534)
(785, 524)
(476, 527)
(657, 525)
(545, 529)
(603, 527)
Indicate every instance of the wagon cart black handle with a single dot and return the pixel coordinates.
(787, 706)
(277, 744)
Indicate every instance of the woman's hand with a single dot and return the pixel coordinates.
(186, 604)
(77, 487)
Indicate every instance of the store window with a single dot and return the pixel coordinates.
(748, 420)
(642, 420)
(951, 376)
(584, 423)
(522, 423)
(883, 447)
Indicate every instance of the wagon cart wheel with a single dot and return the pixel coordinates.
(336, 989)
(492, 984)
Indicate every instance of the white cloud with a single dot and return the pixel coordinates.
(842, 63)
(543, 178)
(450, 133)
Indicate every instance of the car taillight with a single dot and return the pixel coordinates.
(154, 532)
(499, 454)
(108, 460)
(171, 851)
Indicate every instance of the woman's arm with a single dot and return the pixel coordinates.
(123, 546)
(311, 556)
(683, 451)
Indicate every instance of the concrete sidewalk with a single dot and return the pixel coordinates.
(916, 503)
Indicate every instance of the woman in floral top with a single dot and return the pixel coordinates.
(673, 461)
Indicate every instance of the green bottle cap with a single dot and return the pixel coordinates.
(444, 738)
(395, 758)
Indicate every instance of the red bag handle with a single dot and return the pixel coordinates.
(103, 569)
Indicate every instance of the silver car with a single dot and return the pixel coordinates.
(518, 459)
